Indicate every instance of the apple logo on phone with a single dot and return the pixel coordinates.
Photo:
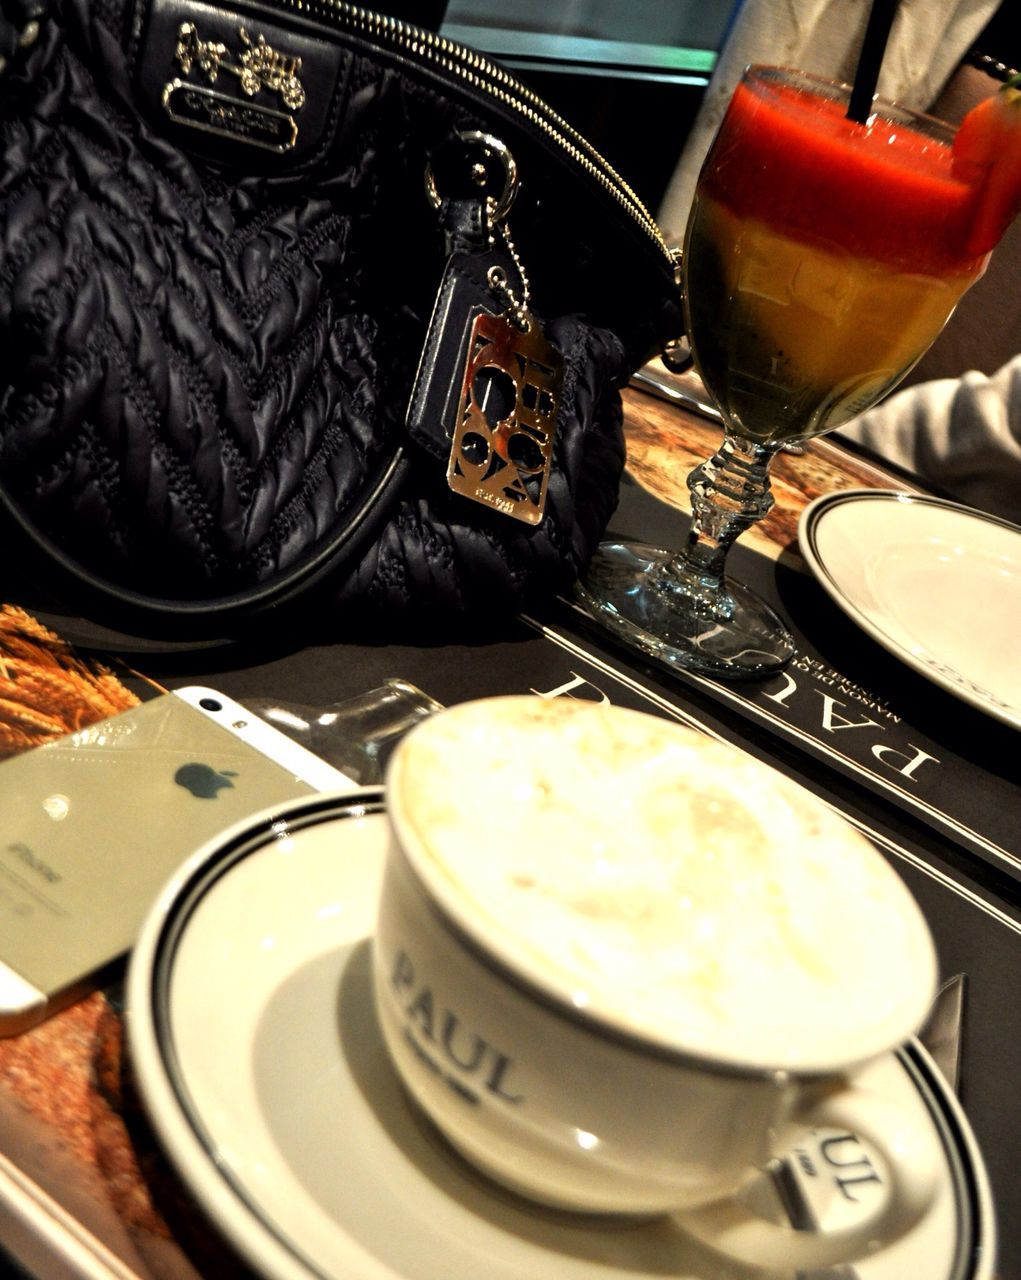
(203, 780)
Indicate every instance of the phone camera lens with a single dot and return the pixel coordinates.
(210, 704)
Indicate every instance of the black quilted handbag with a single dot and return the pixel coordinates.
(300, 302)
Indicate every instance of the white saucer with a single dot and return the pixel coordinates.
(937, 584)
(253, 1037)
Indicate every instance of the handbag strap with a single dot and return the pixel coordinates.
(49, 566)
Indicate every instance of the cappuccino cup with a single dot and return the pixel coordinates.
(617, 964)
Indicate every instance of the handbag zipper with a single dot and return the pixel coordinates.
(481, 74)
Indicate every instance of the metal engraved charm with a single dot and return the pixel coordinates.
(502, 448)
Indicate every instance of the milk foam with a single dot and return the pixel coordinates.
(663, 881)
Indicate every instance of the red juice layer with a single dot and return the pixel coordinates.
(881, 190)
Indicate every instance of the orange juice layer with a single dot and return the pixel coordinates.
(832, 314)
(798, 337)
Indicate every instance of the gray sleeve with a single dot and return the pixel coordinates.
(961, 434)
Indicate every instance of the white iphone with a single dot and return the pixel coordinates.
(92, 824)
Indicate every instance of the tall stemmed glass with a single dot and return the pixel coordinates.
(821, 259)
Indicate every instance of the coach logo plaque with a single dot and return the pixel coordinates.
(258, 68)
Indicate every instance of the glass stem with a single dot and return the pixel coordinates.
(729, 493)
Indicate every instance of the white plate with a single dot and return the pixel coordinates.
(937, 584)
(254, 1040)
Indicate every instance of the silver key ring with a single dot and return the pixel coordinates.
(493, 147)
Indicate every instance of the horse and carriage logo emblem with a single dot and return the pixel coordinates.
(258, 65)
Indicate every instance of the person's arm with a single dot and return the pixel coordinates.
(961, 434)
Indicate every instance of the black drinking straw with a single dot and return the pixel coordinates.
(871, 59)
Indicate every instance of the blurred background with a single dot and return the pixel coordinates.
(629, 74)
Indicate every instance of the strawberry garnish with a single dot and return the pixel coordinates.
(987, 156)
